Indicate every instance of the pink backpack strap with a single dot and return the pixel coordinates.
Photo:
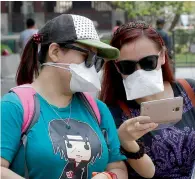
(26, 95)
(93, 104)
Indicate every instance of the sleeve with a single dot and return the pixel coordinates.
(11, 125)
(107, 122)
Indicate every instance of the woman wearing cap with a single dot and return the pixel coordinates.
(136, 77)
(65, 141)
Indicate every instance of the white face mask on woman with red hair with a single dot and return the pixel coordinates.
(143, 83)
(140, 66)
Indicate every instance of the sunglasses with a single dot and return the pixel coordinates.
(148, 63)
(91, 59)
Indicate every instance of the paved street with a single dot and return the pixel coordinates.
(9, 68)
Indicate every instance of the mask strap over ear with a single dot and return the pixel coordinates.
(57, 65)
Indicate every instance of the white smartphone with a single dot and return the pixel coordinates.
(163, 111)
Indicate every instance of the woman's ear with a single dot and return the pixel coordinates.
(162, 57)
(53, 52)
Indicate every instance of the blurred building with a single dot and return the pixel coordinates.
(15, 13)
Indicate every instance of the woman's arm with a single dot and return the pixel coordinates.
(143, 166)
(115, 158)
(130, 131)
(11, 122)
(117, 168)
(5, 172)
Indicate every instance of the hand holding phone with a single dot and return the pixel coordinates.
(133, 129)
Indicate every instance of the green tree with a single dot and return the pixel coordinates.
(170, 10)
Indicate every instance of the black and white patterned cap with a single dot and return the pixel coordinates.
(74, 28)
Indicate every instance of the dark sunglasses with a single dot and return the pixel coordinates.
(127, 67)
(91, 59)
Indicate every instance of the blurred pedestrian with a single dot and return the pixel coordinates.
(26, 34)
(160, 29)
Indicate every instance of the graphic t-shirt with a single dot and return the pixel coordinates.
(65, 142)
(171, 149)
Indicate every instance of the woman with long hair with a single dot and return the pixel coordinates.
(59, 64)
(64, 134)
(142, 73)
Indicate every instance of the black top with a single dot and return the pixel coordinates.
(172, 149)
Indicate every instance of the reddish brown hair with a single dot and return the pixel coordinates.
(112, 84)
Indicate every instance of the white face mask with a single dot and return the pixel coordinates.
(83, 79)
(143, 83)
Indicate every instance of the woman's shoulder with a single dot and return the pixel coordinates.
(117, 114)
(11, 110)
(100, 103)
(11, 99)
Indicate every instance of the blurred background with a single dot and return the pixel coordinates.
(178, 22)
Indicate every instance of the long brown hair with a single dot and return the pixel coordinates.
(112, 84)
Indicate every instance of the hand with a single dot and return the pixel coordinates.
(132, 129)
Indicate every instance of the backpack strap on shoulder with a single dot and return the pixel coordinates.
(94, 106)
(26, 95)
(31, 107)
(188, 89)
(91, 106)
(93, 109)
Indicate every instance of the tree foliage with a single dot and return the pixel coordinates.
(170, 10)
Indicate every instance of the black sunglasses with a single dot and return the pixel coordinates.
(92, 58)
(127, 67)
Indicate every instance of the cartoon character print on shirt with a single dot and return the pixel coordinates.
(79, 145)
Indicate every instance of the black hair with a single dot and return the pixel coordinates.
(160, 22)
(118, 23)
(30, 23)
